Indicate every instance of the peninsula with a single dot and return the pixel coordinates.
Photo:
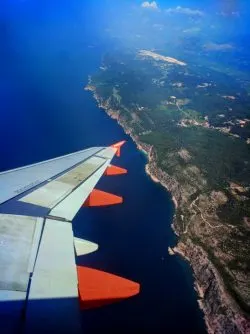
(156, 56)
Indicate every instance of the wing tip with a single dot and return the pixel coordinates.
(117, 147)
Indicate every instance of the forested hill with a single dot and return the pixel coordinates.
(197, 119)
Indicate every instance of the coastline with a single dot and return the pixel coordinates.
(211, 291)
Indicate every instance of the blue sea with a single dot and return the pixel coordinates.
(47, 52)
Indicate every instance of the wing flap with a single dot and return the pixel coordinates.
(53, 298)
(19, 239)
(53, 192)
(16, 181)
(68, 208)
(54, 274)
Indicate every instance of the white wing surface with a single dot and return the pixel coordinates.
(39, 281)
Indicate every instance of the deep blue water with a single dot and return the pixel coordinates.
(46, 113)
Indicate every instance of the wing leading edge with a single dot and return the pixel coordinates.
(38, 274)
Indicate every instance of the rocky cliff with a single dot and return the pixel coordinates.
(222, 314)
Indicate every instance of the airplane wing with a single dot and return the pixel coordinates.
(39, 280)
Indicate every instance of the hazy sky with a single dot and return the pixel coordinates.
(211, 23)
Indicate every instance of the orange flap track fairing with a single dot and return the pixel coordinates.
(114, 170)
(102, 198)
(98, 288)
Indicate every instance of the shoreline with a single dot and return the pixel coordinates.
(174, 250)
(189, 251)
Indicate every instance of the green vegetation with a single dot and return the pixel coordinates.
(234, 210)
(167, 106)
(220, 157)
(147, 88)
(227, 278)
